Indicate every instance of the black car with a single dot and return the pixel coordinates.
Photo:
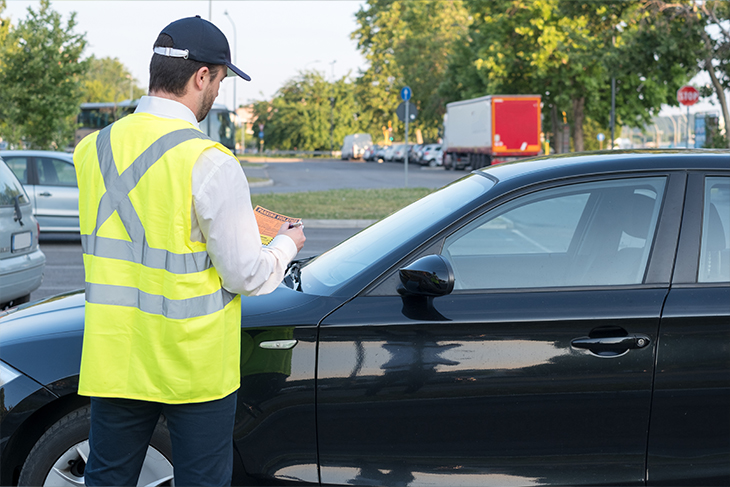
(559, 321)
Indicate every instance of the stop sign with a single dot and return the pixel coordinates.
(688, 95)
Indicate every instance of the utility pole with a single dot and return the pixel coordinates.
(332, 110)
(235, 78)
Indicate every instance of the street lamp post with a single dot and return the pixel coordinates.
(332, 110)
(235, 55)
(235, 62)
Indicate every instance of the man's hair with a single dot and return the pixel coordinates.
(171, 74)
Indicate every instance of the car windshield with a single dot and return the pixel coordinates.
(325, 274)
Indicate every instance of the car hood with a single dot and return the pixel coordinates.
(43, 339)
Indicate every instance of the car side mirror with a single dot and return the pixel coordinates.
(431, 275)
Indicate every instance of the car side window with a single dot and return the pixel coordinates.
(715, 246)
(55, 172)
(587, 234)
(19, 166)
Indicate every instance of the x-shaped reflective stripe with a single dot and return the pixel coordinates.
(117, 199)
(118, 186)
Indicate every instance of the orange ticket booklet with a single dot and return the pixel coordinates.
(270, 222)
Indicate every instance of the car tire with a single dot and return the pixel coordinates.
(59, 456)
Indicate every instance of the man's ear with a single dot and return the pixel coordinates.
(200, 77)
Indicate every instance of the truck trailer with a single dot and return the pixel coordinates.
(491, 129)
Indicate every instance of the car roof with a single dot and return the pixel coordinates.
(556, 166)
(37, 153)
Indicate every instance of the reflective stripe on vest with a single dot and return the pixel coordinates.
(138, 251)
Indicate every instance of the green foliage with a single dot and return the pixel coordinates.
(568, 51)
(710, 18)
(40, 79)
(406, 44)
(303, 111)
(108, 80)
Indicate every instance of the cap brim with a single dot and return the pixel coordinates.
(234, 71)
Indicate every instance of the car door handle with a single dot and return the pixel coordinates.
(278, 344)
(45, 193)
(612, 343)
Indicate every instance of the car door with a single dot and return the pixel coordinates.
(536, 369)
(56, 195)
(690, 420)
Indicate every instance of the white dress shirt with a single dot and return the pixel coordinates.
(223, 218)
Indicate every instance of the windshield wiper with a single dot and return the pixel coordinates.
(293, 274)
(18, 213)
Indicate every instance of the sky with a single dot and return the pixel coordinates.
(274, 40)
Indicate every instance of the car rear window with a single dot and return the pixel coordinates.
(10, 187)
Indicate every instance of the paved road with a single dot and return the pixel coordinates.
(320, 175)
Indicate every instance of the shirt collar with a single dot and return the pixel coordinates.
(166, 108)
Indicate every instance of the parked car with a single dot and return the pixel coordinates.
(370, 153)
(50, 181)
(559, 321)
(413, 153)
(432, 155)
(389, 151)
(399, 153)
(354, 145)
(380, 153)
(21, 260)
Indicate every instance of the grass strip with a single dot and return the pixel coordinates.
(340, 204)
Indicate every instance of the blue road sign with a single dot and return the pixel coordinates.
(405, 93)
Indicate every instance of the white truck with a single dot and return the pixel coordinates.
(354, 146)
(491, 129)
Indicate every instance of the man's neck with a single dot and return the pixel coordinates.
(185, 99)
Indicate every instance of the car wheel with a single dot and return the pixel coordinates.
(59, 457)
(433, 163)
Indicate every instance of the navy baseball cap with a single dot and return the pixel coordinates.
(197, 39)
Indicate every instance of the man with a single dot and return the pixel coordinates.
(170, 242)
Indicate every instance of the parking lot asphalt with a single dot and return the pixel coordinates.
(326, 174)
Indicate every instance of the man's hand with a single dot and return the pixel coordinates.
(294, 233)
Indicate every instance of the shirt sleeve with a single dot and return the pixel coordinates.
(225, 217)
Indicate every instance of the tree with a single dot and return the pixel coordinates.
(713, 55)
(405, 44)
(568, 52)
(108, 80)
(40, 79)
(4, 28)
(302, 112)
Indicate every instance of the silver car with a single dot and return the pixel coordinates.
(21, 260)
(49, 179)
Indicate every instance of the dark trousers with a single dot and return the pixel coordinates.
(201, 435)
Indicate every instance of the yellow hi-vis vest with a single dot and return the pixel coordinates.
(158, 325)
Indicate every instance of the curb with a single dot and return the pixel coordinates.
(337, 223)
(261, 184)
(272, 159)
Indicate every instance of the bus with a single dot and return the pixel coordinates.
(219, 125)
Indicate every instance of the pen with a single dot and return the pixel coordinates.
(295, 224)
